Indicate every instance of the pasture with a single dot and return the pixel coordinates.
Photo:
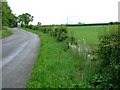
(89, 33)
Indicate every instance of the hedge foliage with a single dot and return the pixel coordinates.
(108, 53)
(59, 32)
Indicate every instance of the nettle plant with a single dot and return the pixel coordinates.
(108, 54)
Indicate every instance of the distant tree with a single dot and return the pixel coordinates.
(39, 24)
(116, 22)
(24, 19)
(111, 23)
(80, 23)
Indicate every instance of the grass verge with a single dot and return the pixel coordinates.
(57, 68)
(5, 32)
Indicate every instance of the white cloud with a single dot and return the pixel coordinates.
(57, 11)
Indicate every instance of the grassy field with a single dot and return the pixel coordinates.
(88, 33)
(56, 67)
(5, 32)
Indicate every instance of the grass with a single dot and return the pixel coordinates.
(5, 32)
(0, 34)
(57, 68)
(88, 33)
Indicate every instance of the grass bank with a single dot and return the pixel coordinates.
(57, 68)
(5, 32)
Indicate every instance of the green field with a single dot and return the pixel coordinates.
(88, 33)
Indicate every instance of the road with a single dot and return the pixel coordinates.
(19, 52)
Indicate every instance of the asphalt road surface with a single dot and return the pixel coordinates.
(18, 56)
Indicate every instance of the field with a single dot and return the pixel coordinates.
(88, 33)
(56, 67)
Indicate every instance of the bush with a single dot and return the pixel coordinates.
(60, 33)
(35, 27)
(108, 53)
(29, 26)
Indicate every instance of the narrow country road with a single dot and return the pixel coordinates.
(18, 55)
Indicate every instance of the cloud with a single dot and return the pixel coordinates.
(57, 11)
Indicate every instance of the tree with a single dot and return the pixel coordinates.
(25, 18)
(0, 15)
(39, 24)
(111, 23)
(8, 18)
(80, 23)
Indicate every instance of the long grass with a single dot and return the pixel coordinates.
(5, 32)
(57, 68)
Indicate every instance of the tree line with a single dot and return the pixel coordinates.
(11, 20)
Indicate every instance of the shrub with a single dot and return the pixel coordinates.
(29, 26)
(108, 76)
(35, 27)
(60, 33)
(45, 29)
(72, 40)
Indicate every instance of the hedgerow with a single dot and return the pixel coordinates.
(108, 53)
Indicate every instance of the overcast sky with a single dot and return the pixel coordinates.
(67, 11)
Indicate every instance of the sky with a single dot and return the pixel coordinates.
(67, 11)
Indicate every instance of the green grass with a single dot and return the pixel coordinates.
(89, 33)
(0, 34)
(5, 32)
(55, 67)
